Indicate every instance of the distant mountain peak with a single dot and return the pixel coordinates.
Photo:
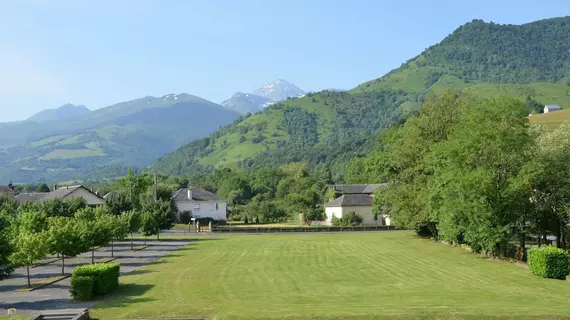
(279, 90)
(66, 111)
(270, 93)
(246, 102)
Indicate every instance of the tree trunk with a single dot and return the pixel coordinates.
(62, 264)
(92, 254)
(563, 235)
(131, 241)
(158, 235)
(112, 249)
(145, 240)
(539, 240)
(28, 269)
(522, 248)
(558, 234)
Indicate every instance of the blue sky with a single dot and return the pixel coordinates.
(101, 52)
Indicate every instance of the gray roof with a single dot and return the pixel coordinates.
(60, 193)
(357, 188)
(197, 194)
(30, 197)
(553, 107)
(351, 200)
(7, 190)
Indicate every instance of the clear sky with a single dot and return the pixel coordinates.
(101, 52)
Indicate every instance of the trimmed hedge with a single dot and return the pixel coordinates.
(548, 262)
(82, 288)
(262, 229)
(104, 279)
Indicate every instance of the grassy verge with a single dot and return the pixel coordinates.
(40, 284)
(384, 275)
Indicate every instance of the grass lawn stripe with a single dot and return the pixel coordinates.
(333, 276)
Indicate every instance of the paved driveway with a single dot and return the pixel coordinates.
(56, 296)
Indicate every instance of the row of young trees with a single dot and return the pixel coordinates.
(30, 231)
(474, 171)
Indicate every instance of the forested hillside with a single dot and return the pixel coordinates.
(529, 62)
(102, 142)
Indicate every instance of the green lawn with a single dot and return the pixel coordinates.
(333, 276)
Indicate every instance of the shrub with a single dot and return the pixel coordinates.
(184, 217)
(82, 288)
(105, 276)
(548, 262)
(350, 219)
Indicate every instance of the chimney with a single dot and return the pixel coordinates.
(189, 194)
(54, 187)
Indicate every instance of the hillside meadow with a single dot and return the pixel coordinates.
(383, 275)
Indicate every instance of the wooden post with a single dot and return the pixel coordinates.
(210, 226)
(198, 226)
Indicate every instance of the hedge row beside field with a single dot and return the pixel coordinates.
(548, 262)
(301, 229)
(94, 280)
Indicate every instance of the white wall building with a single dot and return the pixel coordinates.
(360, 204)
(551, 108)
(202, 203)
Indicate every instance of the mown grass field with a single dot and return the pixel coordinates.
(390, 275)
(550, 120)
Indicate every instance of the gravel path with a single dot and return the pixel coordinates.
(56, 296)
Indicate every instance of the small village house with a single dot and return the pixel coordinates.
(551, 108)
(202, 203)
(67, 192)
(357, 198)
(8, 190)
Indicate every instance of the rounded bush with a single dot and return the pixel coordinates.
(548, 262)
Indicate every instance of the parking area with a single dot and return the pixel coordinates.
(56, 296)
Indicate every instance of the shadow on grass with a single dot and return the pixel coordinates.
(125, 295)
(180, 238)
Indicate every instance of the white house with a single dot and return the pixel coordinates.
(551, 108)
(202, 203)
(68, 192)
(359, 203)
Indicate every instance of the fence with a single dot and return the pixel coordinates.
(227, 229)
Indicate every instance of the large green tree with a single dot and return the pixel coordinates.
(28, 247)
(64, 237)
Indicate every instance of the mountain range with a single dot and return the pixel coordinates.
(64, 112)
(530, 61)
(270, 93)
(71, 142)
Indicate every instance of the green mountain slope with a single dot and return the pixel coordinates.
(64, 112)
(133, 133)
(485, 59)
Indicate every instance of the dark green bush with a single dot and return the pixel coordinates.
(350, 219)
(548, 262)
(105, 276)
(81, 288)
(184, 217)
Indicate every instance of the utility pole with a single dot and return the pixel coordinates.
(155, 188)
